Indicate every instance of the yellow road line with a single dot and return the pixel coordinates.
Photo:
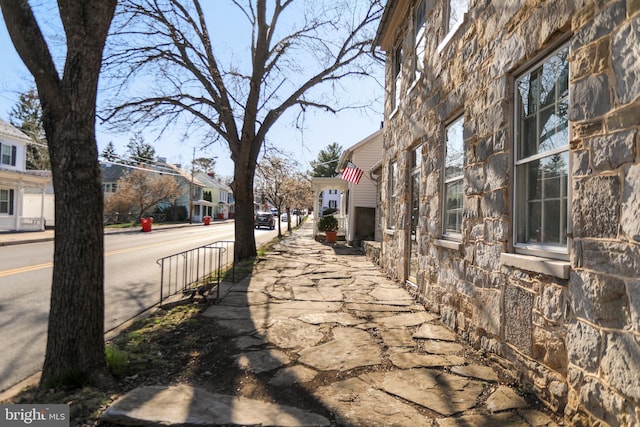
(25, 269)
(106, 254)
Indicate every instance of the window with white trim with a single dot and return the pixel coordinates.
(453, 179)
(455, 11)
(393, 194)
(397, 76)
(542, 157)
(419, 38)
(6, 202)
(8, 154)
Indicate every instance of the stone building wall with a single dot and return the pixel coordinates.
(570, 327)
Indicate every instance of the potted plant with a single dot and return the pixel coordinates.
(329, 225)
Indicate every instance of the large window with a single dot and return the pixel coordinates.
(455, 14)
(8, 154)
(415, 168)
(6, 202)
(397, 76)
(453, 179)
(393, 194)
(419, 38)
(542, 158)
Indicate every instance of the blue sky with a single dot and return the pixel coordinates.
(321, 129)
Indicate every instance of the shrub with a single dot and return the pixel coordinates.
(328, 223)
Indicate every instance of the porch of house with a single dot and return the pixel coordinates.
(319, 185)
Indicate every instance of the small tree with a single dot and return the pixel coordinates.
(274, 179)
(327, 162)
(299, 193)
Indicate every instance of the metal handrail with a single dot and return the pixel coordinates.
(195, 271)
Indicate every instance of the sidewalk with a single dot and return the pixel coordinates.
(321, 323)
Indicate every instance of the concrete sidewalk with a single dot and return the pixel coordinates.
(312, 310)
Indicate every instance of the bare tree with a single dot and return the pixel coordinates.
(140, 190)
(75, 340)
(299, 194)
(272, 175)
(297, 67)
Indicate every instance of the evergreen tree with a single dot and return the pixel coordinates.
(327, 161)
(109, 152)
(27, 116)
(140, 151)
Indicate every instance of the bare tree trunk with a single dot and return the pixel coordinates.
(244, 222)
(75, 342)
(75, 339)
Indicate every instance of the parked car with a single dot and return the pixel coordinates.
(284, 217)
(265, 219)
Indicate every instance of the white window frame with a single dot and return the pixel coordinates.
(526, 245)
(396, 80)
(450, 181)
(8, 151)
(5, 199)
(449, 29)
(393, 195)
(419, 38)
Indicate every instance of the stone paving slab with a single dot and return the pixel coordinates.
(350, 348)
(505, 398)
(183, 405)
(344, 319)
(413, 360)
(358, 403)
(407, 319)
(261, 360)
(430, 331)
(443, 393)
(293, 333)
(483, 373)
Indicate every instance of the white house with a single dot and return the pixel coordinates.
(361, 200)
(16, 181)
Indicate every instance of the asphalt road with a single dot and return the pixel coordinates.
(132, 284)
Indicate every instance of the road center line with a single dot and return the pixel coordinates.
(29, 268)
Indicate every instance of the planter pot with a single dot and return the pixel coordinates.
(331, 236)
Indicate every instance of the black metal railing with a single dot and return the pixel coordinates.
(198, 270)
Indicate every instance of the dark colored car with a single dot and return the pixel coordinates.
(265, 219)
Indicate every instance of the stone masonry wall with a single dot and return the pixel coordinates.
(574, 341)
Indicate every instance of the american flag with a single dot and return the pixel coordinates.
(352, 174)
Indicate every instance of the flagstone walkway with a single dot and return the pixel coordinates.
(312, 309)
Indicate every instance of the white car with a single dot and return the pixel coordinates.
(284, 217)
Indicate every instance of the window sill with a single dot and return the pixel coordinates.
(551, 267)
(390, 231)
(448, 244)
(414, 85)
